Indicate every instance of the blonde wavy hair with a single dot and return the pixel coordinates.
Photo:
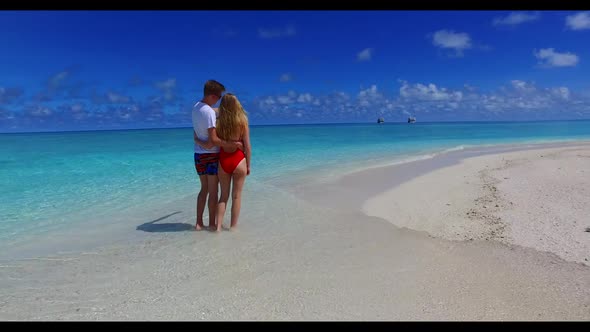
(232, 119)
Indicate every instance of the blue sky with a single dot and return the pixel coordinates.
(78, 70)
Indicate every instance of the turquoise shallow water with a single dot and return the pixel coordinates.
(52, 181)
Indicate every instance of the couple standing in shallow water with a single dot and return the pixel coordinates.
(222, 153)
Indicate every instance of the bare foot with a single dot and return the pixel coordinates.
(212, 227)
(199, 227)
(233, 228)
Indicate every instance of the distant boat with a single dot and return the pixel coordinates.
(380, 120)
(411, 119)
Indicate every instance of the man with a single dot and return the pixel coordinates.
(206, 160)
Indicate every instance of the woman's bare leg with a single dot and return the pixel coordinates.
(239, 178)
(225, 181)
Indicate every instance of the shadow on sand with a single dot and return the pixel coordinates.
(151, 226)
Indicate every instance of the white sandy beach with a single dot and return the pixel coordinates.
(419, 241)
(538, 199)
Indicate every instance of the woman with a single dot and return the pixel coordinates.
(232, 125)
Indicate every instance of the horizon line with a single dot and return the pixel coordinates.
(288, 124)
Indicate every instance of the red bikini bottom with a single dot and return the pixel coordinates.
(230, 160)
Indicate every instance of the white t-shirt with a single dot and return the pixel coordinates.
(203, 118)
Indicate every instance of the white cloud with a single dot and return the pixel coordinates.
(77, 112)
(370, 92)
(549, 58)
(342, 96)
(39, 111)
(457, 41)
(428, 92)
(369, 97)
(515, 18)
(284, 100)
(522, 86)
(304, 98)
(527, 97)
(286, 77)
(268, 101)
(518, 99)
(365, 55)
(277, 32)
(562, 92)
(579, 21)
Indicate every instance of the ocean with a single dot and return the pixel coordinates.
(64, 188)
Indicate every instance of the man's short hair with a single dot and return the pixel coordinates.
(212, 87)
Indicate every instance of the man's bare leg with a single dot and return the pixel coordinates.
(201, 200)
(212, 185)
